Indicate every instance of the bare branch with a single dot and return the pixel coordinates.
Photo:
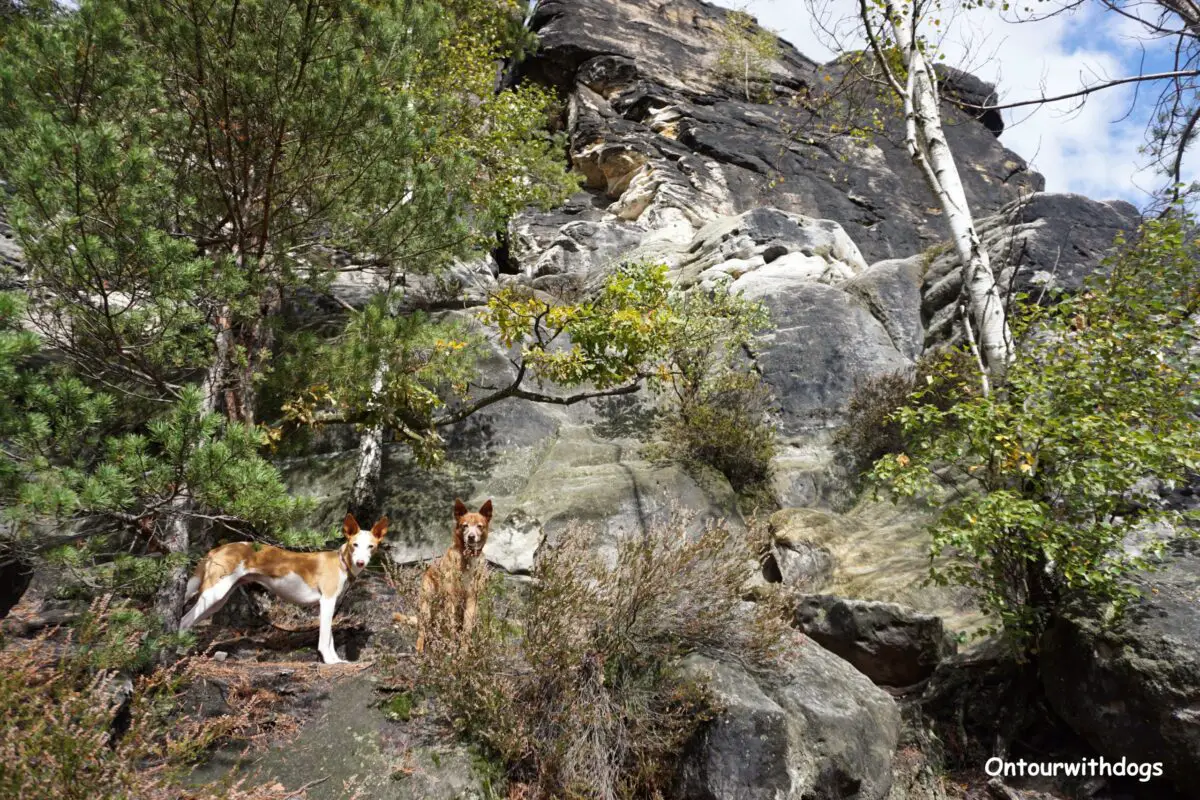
(1085, 91)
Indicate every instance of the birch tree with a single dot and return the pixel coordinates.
(892, 30)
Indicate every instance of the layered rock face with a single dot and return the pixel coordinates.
(667, 144)
(836, 235)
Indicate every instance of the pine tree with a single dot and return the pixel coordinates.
(180, 170)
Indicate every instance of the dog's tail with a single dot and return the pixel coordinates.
(193, 585)
(201, 577)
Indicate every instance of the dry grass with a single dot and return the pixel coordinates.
(60, 734)
(574, 687)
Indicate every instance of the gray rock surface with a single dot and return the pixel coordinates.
(891, 290)
(803, 565)
(822, 730)
(1037, 244)
(543, 468)
(1133, 690)
(824, 341)
(880, 552)
(890, 644)
(351, 749)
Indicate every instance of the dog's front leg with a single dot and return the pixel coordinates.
(325, 640)
(470, 612)
(424, 609)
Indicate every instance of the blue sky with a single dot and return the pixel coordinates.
(1091, 149)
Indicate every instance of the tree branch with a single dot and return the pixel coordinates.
(1085, 91)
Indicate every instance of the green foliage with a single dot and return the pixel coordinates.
(399, 706)
(1051, 474)
(745, 57)
(123, 640)
(872, 429)
(689, 347)
(420, 364)
(178, 169)
(576, 688)
(716, 403)
(184, 450)
(604, 340)
(634, 328)
(61, 460)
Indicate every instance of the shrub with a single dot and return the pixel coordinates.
(744, 60)
(716, 403)
(872, 428)
(689, 347)
(58, 733)
(1053, 471)
(726, 429)
(576, 687)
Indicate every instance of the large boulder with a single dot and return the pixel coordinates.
(1133, 690)
(892, 291)
(889, 643)
(824, 342)
(880, 552)
(820, 731)
(1037, 244)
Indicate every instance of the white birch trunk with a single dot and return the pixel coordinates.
(931, 153)
(364, 492)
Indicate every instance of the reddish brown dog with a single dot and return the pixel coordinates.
(453, 581)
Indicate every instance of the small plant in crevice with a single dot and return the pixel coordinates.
(745, 56)
(576, 687)
(872, 429)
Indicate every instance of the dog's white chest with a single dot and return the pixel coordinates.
(292, 588)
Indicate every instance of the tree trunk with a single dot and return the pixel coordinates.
(364, 494)
(931, 152)
(176, 538)
(241, 349)
(178, 530)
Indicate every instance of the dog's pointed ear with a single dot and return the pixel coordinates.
(379, 529)
(350, 526)
(460, 509)
(486, 510)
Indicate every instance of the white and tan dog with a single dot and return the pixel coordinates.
(305, 579)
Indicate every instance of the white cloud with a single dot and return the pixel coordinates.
(1092, 149)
